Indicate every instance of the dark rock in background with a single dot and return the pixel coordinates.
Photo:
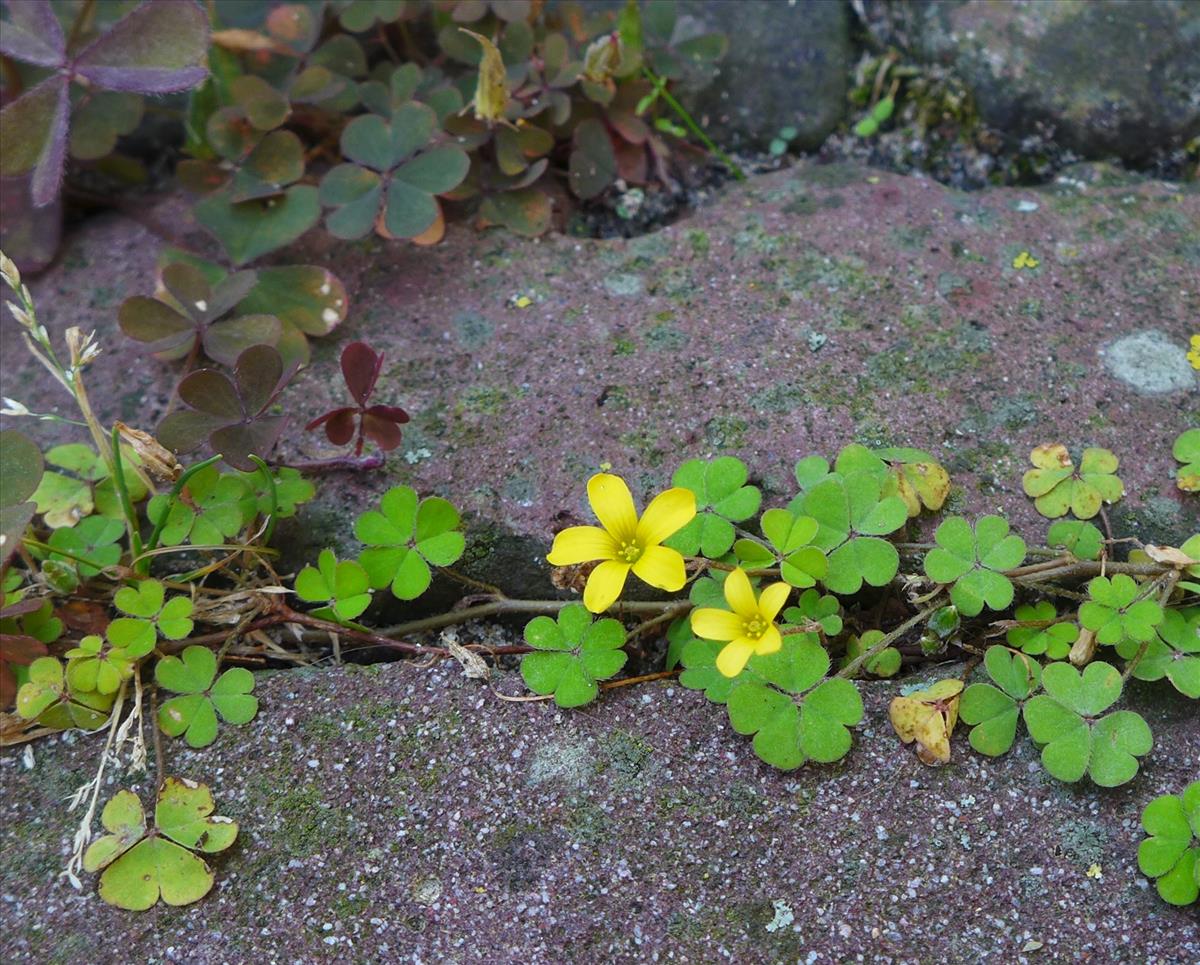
(1105, 77)
(787, 66)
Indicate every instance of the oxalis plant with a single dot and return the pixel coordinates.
(777, 614)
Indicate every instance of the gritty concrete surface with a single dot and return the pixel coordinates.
(401, 814)
(798, 312)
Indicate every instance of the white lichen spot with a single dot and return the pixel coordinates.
(329, 316)
(220, 819)
(784, 915)
(326, 288)
(202, 305)
(188, 782)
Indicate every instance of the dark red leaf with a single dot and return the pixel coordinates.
(384, 432)
(20, 648)
(340, 427)
(360, 368)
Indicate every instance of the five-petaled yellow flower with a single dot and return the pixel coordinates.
(750, 628)
(625, 543)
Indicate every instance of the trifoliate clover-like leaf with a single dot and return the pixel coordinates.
(722, 499)
(344, 586)
(89, 546)
(993, 711)
(1174, 653)
(1118, 611)
(94, 668)
(572, 654)
(1187, 451)
(788, 730)
(291, 490)
(1058, 487)
(149, 615)
(195, 316)
(813, 607)
(974, 561)
(927, 717)
(47, 697)
(699, 659)
(391, 176)
(886, 663)
(193, 675)
(1075, 739)
(141, 865)
(852, 517)
(405, 536)
(1050, 637)
(800, 563)
(1171, 853)
(216, 508)
(1081, 539)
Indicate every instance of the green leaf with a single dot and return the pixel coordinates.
(194, 714)
(1170, 852)
(845, 507)
(1187, 451)
(1054, 640)
(345, 586)
(812, 607)
(574, 654)
(1116, 614)
(972, 560)
(1174, 653)
(722, 498)
(886, 663)
(93, 540)
(252, 229)
(1081, 539)
(138, 870)
(1075, 742)
(1057, 486)
(406, 535)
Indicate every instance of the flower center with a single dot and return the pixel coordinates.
(755, 628)
(630, 551)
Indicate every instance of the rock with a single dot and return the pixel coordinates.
(699, 340)
(395, 811)
(787, 67)
(1101, 77)
(1151, 362)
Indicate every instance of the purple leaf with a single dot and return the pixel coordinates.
(33, 34)
(48, 174)
(28, 127)
(158, 48)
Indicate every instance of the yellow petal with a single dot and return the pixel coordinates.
(740, 594)
(667, 513)
(613, 505)
(770, 641)
(604, 585)
(581, 544)
(732, 659)
(772, 599)
(662, 568)
(713, 624)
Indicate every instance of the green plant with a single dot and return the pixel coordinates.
(142, 864)
(405, 536)
(1046, 634)
(572, 654)
(344, 586)
(1058, 486)
(975, 561)
(993, 709)
(1066, 722)
(1119, 611)
(722, 500)
(202, 696)
(1171, 853)
(1187, 451)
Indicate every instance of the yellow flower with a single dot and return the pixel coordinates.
(1025, 260)
(1193, 354)
(625, 543)
(750, 628)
